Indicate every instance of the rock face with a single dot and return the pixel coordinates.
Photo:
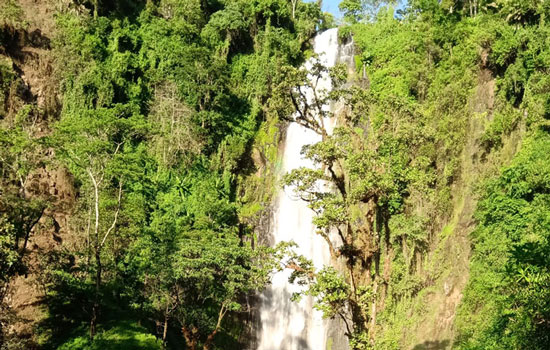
(27, 51)
(449, 253)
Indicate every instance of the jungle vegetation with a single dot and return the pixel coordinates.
(167, 115)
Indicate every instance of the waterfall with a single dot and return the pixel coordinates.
(288, 325)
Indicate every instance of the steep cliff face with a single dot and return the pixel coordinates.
(417, 308)
(202, 87)
(31, 95)
(448, 259)
(460, 113)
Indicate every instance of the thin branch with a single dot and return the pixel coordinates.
(96, 204)
(333, 252)
(349, 332)
(295, 103)
(293, 266)
(88, 240)
(116, 214)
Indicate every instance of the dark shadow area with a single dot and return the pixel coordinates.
(434, 345)
(122, 9)
(12, 40)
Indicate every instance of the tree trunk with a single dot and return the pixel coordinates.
(372, 326)
(376, 278)
(190, 336)
(95, 307)
(165, 330)
(388, 252)
(210, 338)
(96, 5)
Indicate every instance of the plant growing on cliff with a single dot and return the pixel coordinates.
(202, 270)
(367, 161)
(506, 301)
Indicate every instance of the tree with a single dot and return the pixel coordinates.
(175, 136)
(358, 10)
(85, 143)
(213, 275)
(19, 158)
(353, 10)
(196, 269)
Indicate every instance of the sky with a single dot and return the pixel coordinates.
(330, 6)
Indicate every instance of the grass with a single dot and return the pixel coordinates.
(124, 335)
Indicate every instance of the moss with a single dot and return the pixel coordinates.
(250, 209)
(11, 14)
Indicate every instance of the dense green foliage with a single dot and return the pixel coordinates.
(438, 61)
(167, 125)
(162, 103)
(506, 302)
(125, 336)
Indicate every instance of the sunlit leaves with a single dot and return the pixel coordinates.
(8, 252)
(510, 262)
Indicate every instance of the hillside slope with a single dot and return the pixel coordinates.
(478, 83)
(139, 142)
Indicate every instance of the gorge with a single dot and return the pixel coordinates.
(262, 175)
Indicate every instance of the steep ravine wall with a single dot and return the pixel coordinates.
(28, 52)
(447, 261)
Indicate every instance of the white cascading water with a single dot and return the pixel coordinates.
(288, 325)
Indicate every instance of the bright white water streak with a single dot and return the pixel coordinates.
(287, 325)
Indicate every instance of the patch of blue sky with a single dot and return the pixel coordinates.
(332, 6)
